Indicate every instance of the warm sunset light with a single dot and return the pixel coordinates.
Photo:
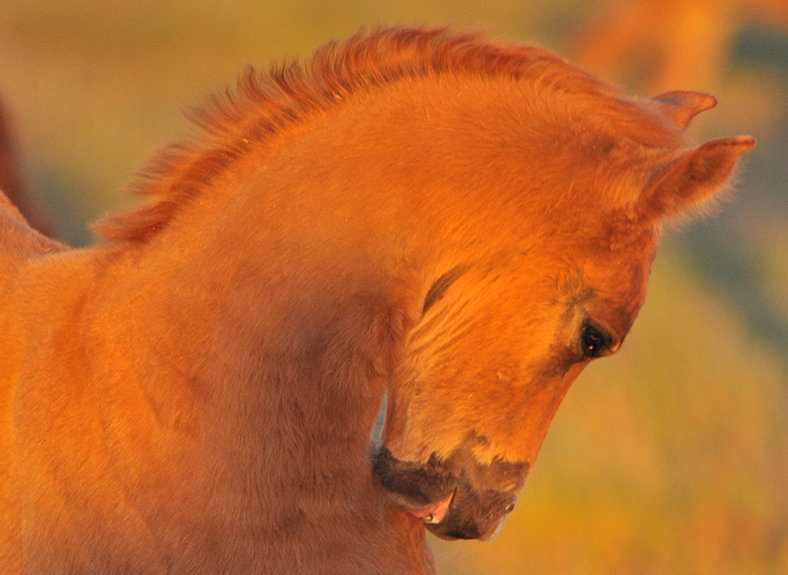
(669, 457)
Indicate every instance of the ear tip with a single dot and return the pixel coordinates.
(700, 101)
(683, 105)
(746, 143)
(738, 144)
(697, 175)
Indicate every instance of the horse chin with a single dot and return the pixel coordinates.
(455, 498)
(451, 534)
(473, 515)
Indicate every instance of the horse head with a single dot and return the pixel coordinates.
(516, 310)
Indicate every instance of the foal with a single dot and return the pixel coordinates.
(457, 225)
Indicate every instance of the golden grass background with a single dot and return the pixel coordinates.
(671, 457)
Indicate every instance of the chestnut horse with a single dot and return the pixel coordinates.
(457, 225)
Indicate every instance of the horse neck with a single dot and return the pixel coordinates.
(267, 324)
(278, 297)
(289, 351)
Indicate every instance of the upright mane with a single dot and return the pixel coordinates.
(263, 104)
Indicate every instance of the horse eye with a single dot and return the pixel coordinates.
(593, 341)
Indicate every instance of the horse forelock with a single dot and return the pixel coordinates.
(264, 104)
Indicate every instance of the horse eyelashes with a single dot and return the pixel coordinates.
(439, 288)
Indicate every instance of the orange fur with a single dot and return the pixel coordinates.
(416, 214)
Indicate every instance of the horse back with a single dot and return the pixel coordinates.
(18, 241)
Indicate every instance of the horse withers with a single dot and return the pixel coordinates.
(457, 225)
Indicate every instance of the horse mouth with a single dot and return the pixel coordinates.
(433, 514)
(469, 514)
(452, 501)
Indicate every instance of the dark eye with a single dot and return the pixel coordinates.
(593, 341)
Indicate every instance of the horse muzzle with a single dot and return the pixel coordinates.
(469, 499)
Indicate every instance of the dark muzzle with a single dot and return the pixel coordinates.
(482, 494)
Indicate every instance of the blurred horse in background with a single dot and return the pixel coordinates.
(659, 44)
(457, 225)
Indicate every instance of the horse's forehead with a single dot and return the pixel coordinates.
(621, 279)
(557, 277)
(565, 268)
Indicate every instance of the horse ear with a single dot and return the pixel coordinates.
(692, 177)
(681, 106)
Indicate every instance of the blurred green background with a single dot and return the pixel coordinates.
(671, 457)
